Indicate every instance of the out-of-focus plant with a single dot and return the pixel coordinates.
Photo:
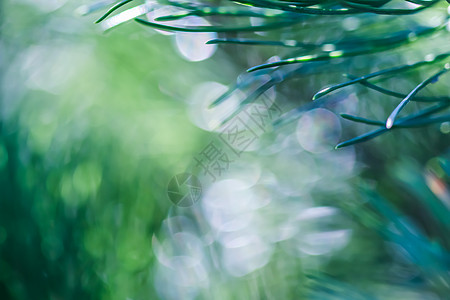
(92, 130)
(387, 50)
(420, 241)
(79, 195)
(403, 29)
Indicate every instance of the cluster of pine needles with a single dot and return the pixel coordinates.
(386, 28)
(229, 19)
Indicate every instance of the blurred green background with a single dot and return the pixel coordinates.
(88, 144)
(94, 125)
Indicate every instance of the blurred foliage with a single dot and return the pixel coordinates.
(94, 125)
(86, 149)
(374, 34)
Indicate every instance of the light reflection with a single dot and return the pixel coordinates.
(192, 46)
(236, 241)
(176, 283)
(318, 130)
(322, 230)
(412, 5)
(439, 188)
(317, 212)
(247, 172)
(161, 11)
(246, 255)
(445, 128)
(175, 224)
(324, 242)
(181, 244)
(351, 23)
(188, 271)
(278, 222)
(125, 16)
(229, 205)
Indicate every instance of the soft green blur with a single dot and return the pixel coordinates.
(88, 145)
(95, 124)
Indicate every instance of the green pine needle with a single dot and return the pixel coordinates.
(113, 9)
(423, 84)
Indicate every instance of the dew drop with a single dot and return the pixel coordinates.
(351, 23)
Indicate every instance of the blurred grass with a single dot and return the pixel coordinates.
(88, 144)
(94, 125)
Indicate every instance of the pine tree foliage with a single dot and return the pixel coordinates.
(385, 27)
(310, 38)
